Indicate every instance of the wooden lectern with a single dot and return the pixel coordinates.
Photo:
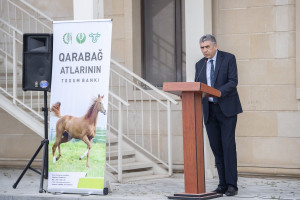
(194, 172)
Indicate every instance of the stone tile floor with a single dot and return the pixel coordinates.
(249, 188)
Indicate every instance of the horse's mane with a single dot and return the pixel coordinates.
(90, 110)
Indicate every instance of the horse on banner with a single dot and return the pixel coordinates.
(83, 128)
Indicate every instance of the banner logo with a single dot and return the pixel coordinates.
(80, 38)
(94, 37)
(67, 38)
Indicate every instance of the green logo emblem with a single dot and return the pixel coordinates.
(94, 37)
(80, 38)
(67, 38)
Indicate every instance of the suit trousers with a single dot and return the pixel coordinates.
(221, 134)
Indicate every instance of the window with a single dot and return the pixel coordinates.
(162, 41)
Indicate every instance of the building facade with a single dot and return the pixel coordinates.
(159, 41)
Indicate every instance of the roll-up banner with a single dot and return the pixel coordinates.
(79, 99)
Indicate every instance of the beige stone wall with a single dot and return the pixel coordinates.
(126, 32)
(297, 49)
(262, 36)
(55, 9)
(17, 142)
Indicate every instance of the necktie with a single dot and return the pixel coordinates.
(212, 73)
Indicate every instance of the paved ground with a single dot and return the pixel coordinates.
(249, 188)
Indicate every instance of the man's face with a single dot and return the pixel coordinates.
(208, 49)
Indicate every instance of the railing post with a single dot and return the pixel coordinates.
(120, 139)
(14, 68)
(170, 155)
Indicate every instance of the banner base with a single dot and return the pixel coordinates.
(83, 191)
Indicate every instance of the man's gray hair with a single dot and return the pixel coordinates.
(208, 37)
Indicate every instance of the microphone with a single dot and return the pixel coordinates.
(205, 61)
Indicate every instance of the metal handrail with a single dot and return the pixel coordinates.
(121, 102)
(139, 87)
(24, 105)
(144, 81)
(13, 28)
(118, 98)
(35, 10)
(147, 148)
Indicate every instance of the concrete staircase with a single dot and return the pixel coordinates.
(135, 165)
(6, 101)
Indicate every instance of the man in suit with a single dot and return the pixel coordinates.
(218, 69)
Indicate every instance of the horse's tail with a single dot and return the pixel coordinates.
(56, 109)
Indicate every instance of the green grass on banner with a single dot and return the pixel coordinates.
(72, 150)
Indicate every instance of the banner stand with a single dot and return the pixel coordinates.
(44, 143)
(78, 104)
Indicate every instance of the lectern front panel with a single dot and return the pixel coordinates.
(193, 143)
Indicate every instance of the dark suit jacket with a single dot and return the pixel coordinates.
(226, 80)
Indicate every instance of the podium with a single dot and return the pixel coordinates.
(194, 172)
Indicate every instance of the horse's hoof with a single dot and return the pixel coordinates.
(54, 159)
(80, 158)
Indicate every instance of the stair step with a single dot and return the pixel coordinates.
(124, 161)
(124, 153)
(3, 68)
(9, 77)
(9, 84)
(137, 174)
(111, 147)
(135, 166)
(149, 177)
(3, 73)
(111, 140)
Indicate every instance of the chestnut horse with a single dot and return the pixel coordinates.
(83, 128)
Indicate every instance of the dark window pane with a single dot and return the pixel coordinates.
(159, 63)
